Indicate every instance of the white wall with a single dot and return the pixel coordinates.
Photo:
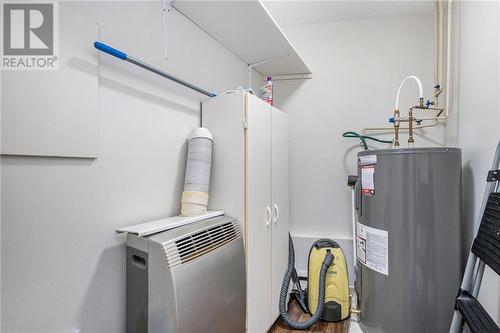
(357, 67)
(478, 117)
(62, 263)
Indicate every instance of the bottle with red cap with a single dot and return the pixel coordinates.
(266, 92)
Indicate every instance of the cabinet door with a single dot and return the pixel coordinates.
(279, 152)
(259, 224)
(223, 116)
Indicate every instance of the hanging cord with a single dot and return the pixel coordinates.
(363, 138)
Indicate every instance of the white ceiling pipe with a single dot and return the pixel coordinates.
(446, 107)
(440, 42)
(436, 41)
(448, 63)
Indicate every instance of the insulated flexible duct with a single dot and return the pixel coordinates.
(286, 282)
(197, 179)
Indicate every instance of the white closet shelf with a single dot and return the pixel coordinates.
(249, 31)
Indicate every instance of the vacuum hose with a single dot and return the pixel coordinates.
(286, 282)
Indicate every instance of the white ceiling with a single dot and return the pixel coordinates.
(309, 12)
(239, 26)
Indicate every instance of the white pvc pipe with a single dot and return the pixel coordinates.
(448, 63)
(420, 90)
(354, 238)
(438, 74)
(447, 105)
(440, 46)
(436, 40)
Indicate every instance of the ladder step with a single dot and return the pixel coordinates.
(486, 245)
(493, 176)
(474, 314)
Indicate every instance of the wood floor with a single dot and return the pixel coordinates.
(295, 313)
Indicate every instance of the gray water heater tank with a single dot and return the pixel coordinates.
(408, 239)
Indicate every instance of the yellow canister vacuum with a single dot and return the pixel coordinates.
(328, 290)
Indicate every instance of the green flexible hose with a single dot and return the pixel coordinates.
(356, 135)
(363, 138)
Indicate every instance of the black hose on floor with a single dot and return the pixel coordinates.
(286, 282)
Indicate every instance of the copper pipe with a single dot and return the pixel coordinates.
(434, 108)
(379, 129)
(410, 128)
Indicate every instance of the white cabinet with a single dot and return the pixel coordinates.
(279, 153)
(250, 182)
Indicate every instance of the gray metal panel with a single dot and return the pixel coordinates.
(207, 294)
(137, 242)
(210, 291)
(418, 201)
(162, 314)
(137, 291)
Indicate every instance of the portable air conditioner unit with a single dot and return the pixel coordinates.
(189, 279)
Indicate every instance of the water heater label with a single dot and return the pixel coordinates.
(367, 180)
(368, 159)
(373, 248)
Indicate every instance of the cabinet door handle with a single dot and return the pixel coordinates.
(268, 216)
(276, 213)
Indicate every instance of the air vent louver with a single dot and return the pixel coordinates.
(190, 247)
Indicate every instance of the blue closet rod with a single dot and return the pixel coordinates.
(123, 56)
